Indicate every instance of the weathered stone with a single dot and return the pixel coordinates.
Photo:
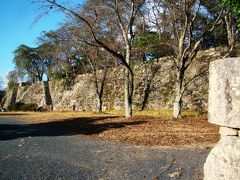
(224, 92)
(223, 162)
(83, 92)
(225, 131)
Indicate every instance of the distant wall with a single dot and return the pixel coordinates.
(82, 92)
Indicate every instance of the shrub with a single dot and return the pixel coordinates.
(17, 106)
(29, 107)
(9, 108)
(20, 106)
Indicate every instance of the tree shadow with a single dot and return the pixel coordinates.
(47, 94)
(68, 127)
(12, 114)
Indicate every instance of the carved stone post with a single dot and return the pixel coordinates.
(223, 162)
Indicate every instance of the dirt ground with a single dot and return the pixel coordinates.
(190, 131)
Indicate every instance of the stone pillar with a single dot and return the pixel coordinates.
(223, 162)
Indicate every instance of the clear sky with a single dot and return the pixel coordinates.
(16, 27)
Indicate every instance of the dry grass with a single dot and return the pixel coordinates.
(157, 130)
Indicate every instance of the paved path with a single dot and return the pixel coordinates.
(32, 152)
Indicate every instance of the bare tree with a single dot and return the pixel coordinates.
(232, 31)
(100, 17)
(186, 36)
(99, 61)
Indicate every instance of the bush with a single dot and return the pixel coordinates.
(9, 108)
(20, 106)
(29, 107)
(17, 106)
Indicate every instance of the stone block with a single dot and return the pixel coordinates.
(225, 131)
(224, 92)
(223, 162)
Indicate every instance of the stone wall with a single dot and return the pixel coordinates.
(82, 92)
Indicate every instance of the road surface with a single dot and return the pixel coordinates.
(33, 152)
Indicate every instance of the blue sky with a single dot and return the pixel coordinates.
(16, 27)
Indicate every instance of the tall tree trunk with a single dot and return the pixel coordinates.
(100, 104)
(99, 88)
(230, 33)
(128, 89)
(128, 93)
(177, 106)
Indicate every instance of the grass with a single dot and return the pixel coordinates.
(154, 113)
(158, 113)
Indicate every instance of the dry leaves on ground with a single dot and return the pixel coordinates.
(139, 130)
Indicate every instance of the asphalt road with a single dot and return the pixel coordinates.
(32, 152)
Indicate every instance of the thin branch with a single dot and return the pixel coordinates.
(197, 44)
(114, 53)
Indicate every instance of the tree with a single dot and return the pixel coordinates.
(231, 16)
(99, 63)
(45, 53)
(30, 62)
(59, 53)
(233, 5)
(101, 18)
(147, 46)
(66, 58)
(13, 79)
(187, 34)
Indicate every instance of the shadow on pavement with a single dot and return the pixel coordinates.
(75, 126)
(11, 114)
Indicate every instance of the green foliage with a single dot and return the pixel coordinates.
(56, 75)
(233, 5)
(146, 40)
(29, 107)
(31, 62)
(11, 85)
(12, 78)
(152, 44)
(20, 106)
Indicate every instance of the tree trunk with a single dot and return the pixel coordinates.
(99, 88)
(100, 104)
(128, 93)
(128, 86)
(177, 106)
(230, 28)
(230, 33)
